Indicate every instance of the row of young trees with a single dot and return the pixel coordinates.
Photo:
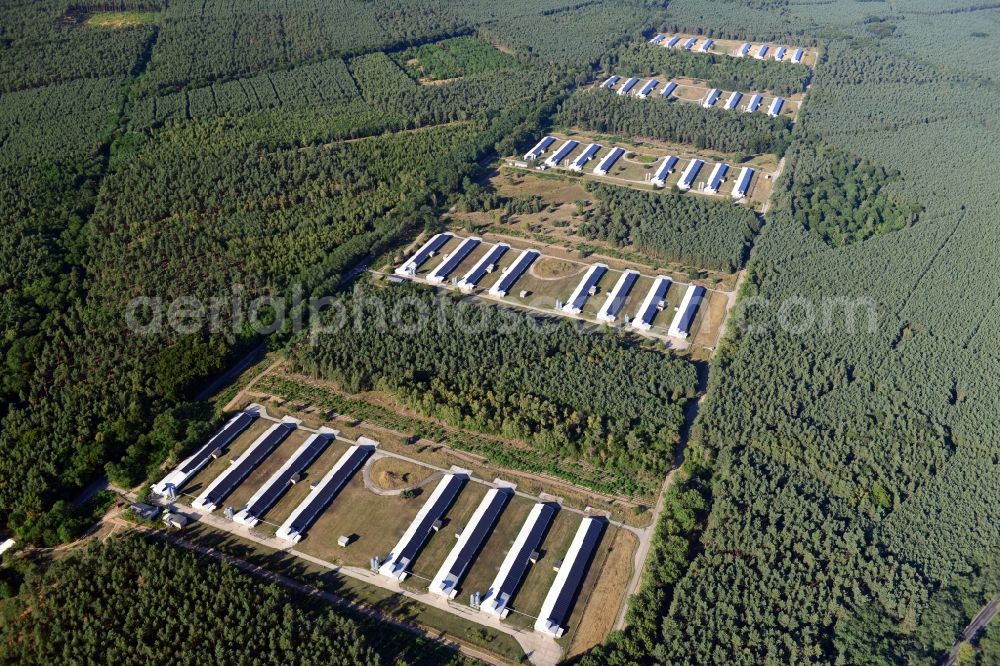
(483, 95)
(378, 76)
(58, 123)
(673, 227)
(307, 86)
(505, 372)
(656, 118)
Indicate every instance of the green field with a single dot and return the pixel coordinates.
(116, 20)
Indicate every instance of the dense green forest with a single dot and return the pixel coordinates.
(217, 177)
(206, 168)
(139, 601)
(760, 20)
(40, 46)
(839, 197)
(669, 120)
(843, 492)
(720, 71)
(324, 83)
(683, 229)
(855, 493)
(451, 58)
(507, 373)
(570, 33)
(673, 545)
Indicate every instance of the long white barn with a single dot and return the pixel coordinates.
(734, 99)
(616, 299)
(628, 85)
(398, 562)
(191, 465)
(608, 161)
(426, 251)
(655, 300)
(716, 178)
(665, 169)
(559, 601)
(611, 81)
(647, 88)
(579, 296)
(680, 327)
(470, 540)
(496, 599)
(323, 493)
(513, 272)
(584, 157)
(539, 148)
(689, 174)
(742, 183)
